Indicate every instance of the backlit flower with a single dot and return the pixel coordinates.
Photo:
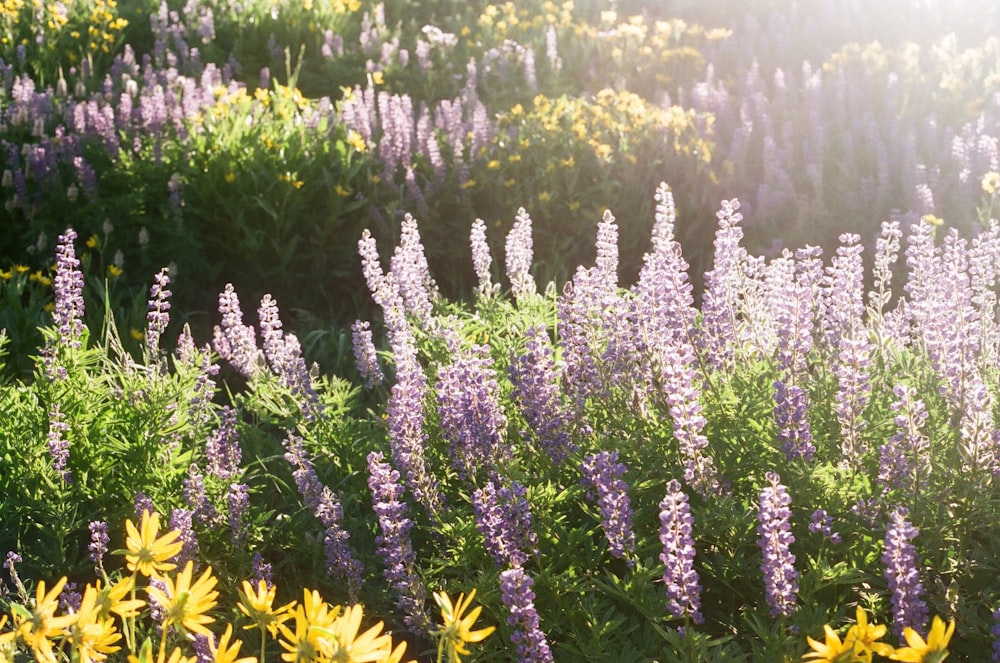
(257, 604)
(833, 650)
(457, 630)
(93, 636)
(186, 604)
(147, 554)
(224, 653)
(934, 650)
(867, 636)
(40, 626)
(341, 641)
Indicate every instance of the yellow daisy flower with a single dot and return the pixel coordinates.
(257, 604)
(833, 650)
(867, 635)
(37, 628)
(93, 637)
(457, 630)
(185, 604)
(224, 653)
(934, 650)
(111, 599)
(341, 642)
(300, 645)
(147, 554)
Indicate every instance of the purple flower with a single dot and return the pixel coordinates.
(679, 575)
(503, 517)
(413, 278)
(99, 541)
(902, 574)
(365, 356)
(142, 504)
(193, 491)
(995, 632)
(481, 259)
(603, 473)
(222, 449)
(720, 303)
(519, 253)
(822, 523)
(393, 542)
(325, 505)
(905, 458)
(68, 288)
(472, 419)
(234, 341)
(535, 378)
(527, 637)
(774, 538)
(260, 570)
(284, 355)
(58, 445)
(182, 521)
(238, 501)
(794, 432)
(158, 315)
(69, 598)
(853, 391)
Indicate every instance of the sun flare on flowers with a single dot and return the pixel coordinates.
(934, 650)
(457, 630)
(147, 554)
(38, 627)
(185, 604)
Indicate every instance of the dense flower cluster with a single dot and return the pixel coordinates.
(774, 538)
(602, 474)
(394, 544)
(531, 643)
(679, 575)
(822, 523)
(365, 356)
(158, 315)
(472, 419)
(905, 458)
(902, 573)
(503, 517)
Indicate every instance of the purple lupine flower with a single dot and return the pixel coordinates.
(481, 259)
(234, 341)
(774, 538)
(472, 419)
(182, 521)
(284, 355)
(260, 570)
(413, 278)
(603, 473)
(790, 305)
(503, 517)
(903, 576)
(143, 503)
(58, 445)
(99, 541)
(843, 288)
(69, 310)
(535, 378)
(720, 303)
(365, 356)
(69, 598)
(238, 501)
(679, 575)
(159, 312)
(853, 391)
(193, 492)
(794, 431)
(222, 449)
(325, 505)
(886, 254)
(393, 542)
(905, 458)
(527, 637)
(822, 523)
(519, 252)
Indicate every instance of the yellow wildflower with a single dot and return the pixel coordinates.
(224, 653)
(111, 599)
(934, 650)
(92, 242)
(93, 637)
(258, 605)
(867, 635)
(40, 626)
(833, 650)
(457, 630)
(147, 554)
(114, 271)
(991, 182)
(146, 655)
(468, 184)
(341, 642)
(186, 604)
(230, 177)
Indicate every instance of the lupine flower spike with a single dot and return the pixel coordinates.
(457, 630)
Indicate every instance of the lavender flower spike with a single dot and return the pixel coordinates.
(394, 544)
(515, 591)
(158, 313)
(503, 517)
(520, 251)
(99, 542)
(602, 473)
(365, 355)
(58, 445)
(774, 537)
(679, 575)
(901, 573)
